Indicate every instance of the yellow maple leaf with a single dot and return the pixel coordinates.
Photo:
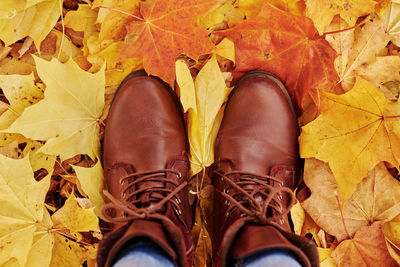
(21, 92)
(69, 253)
(75, 218)
(203, 100)
(68, 116)
(82, 20)
(354, 132)
(323, 11)
(34, 19)
(22, 211)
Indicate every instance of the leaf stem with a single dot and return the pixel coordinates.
(341, 214)
(347, 29)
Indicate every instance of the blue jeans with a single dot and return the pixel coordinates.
(149, 255)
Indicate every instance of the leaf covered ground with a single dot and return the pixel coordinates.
(61, 62)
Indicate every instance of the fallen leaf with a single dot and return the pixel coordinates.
(203, 101)
(322, 11)
(65, 92)
(391, 230)
(82, 20)
(34, 20)
(92, 184)
(391, 20)
(226, 49)
(363, 120)
(358, 49)
(367, 248)
(21, 92)
(69, 253)
(287, 46)
(116, 14)
(297, 215)
(75, 218)
(376, 198)
(159, 38)
(21, 208)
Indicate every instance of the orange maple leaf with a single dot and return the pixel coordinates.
(167, 30)
(288, 46)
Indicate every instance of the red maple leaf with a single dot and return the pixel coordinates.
(288, 46)
(167, 30)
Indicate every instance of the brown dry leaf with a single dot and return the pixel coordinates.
(367, 248)
(376, 198)
(358, 50)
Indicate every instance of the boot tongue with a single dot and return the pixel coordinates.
(149, 196)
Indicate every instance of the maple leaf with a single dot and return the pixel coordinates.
(391, 20)
(115, 15)
(323, 11)
(67, 118)
(287, 46)
(159, 38)
(21, 92)
(376, 198)
(34, 19)
(203, 100)
(358, 50)
(354, 132)
(74, 218)
(21, 208)
(82, 20)
(365, 249)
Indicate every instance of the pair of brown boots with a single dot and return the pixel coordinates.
(256, 170)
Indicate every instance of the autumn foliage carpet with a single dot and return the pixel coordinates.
(62, 60)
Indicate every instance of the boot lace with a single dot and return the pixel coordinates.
(134, 208)
(247, 193)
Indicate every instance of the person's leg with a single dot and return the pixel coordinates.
(275, 257)
(143, 253)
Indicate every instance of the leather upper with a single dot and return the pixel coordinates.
(146, 169)
(256, 168)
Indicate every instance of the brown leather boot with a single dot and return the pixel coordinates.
(146, 168)
(257, 169)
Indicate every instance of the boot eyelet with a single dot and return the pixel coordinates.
(123, 195)
(280, 209)
(179, 175)
(282, 221)
(226, 191)
(178, 211)
(178, 201)
(281, 184)
(279, 197)
(121, 182)
(227, 203)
